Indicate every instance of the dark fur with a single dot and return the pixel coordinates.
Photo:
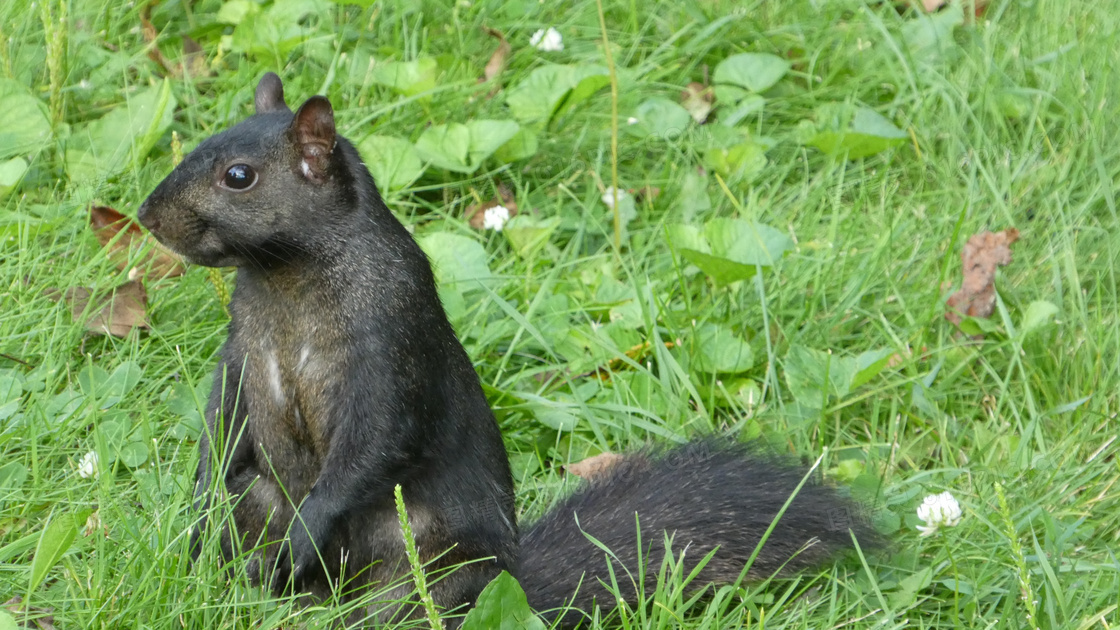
(341, 377)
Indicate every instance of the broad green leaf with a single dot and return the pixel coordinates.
(687, 237)
(12, 475)
(869, 364)
(556, 418)
(11, 172)
(929, 37)
(1039, 314)
(721, 270)
(113, 433)
(134, 454)
(522, 145)
(748, 105)
(694, 198)
(753, 71)
(53, 542)
(661, 118)
(730, 250)
(487, 136)
(742, 161)
(539, 96)
(720, 350)
(234, 11)
(855, 132)
(393, 162)
(92, 380)
(502, 606)
(122, 137)
(407, 77)
(463, 148)
(456, 260)
(11, 389)
(119, 383)
(813, 375)
(746, 242)
(7, 621)
(25, 128)
(906, 593)
(527, 234)
(446, 146)
(275, 31)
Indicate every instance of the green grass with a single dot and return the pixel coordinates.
(1010, 122)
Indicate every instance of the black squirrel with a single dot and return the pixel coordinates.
(342, 377)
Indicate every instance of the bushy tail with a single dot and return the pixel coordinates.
(705, 494)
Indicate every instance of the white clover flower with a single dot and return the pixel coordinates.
(88, 466)
(608, 196)
(631, 121)
(938, 510)
(494, 218)
(547, 40)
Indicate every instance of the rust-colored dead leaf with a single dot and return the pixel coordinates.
(594, 466)
(698, 99)
(645, 192)
(498, 60)
(116, 314)
(982, 254)
(635, 353)
(34, 617)
(107, 223)
(476, 212)
(978, 6)
(193, 62)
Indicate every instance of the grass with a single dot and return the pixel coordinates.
(1009, 121)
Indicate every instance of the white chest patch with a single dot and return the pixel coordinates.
(305, 168)
(275, 386)
(304, 353)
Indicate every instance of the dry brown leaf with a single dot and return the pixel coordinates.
(476, 212)
(982, 254)
(116, 314)
(698, 99)
(594, 466)
(635, 353)
(34, 617)
(978, 6)
(498, 60)
(107, 223)
(194, 62)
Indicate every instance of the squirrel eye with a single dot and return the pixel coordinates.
(239, 177)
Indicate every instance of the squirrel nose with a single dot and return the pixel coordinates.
(147, 219)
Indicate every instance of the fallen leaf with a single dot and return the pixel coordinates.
(645, 192)
(635, 353)
(116, 314)
(476, 212)
(193, 63)
(107, 223)
(698, 100)
(34, 617)
(594, 466)
(978, 6)
(498, 60)
(982, 254)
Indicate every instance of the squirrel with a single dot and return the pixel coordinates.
(342, 377)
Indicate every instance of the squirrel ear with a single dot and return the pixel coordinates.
(313, 132)
(270, 94)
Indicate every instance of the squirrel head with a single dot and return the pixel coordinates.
(259, 193)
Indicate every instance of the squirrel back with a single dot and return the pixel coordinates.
(341, 378)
